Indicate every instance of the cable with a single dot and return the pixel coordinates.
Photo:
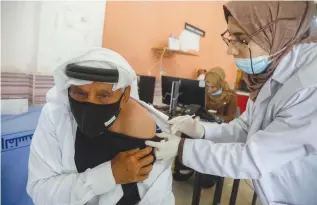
(159, 61)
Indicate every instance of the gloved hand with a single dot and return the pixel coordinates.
(187, 125)
(167, 148)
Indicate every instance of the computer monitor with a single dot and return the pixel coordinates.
(189, 92)
(146, 85)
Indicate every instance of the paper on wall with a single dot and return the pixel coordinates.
(189, 41)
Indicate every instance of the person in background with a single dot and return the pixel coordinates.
(201, 73)
(219, 97)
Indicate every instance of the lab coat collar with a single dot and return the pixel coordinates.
(265, 92)
(286, 68)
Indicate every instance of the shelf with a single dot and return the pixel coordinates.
(169, 52)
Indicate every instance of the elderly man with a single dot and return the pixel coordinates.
(89, 146)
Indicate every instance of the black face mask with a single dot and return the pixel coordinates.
(94, 119)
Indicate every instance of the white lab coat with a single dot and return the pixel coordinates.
(274, 142)
(53, 177)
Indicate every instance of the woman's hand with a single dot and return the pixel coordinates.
(187, 125)
(132, 166)
(167, 148)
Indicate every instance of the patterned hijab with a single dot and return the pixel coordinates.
(252, 16)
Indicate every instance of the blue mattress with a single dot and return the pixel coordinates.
(16, 136)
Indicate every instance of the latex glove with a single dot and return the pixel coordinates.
(167, 148)
(187, 125)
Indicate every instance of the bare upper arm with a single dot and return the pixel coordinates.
(137, 122)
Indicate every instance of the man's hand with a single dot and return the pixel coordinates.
(167, 148)
(188, 126)
(132, 166)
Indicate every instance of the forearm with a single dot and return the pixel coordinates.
(235, 131)
(252, 159)
(226, 160)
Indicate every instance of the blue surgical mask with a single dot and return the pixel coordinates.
(218, 92)
(259, 64)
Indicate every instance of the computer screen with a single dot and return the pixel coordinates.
(146, 86)
(189, 92)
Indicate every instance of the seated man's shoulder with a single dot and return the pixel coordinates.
(54, 112)
(138, 122)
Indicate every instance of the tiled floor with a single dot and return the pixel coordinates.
(183, 193)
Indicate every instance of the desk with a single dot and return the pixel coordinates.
(16, 135)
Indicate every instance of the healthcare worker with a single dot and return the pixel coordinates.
(274, 142)
(89, 145)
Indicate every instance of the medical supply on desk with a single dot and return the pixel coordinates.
(16, 136)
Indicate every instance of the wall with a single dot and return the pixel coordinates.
(66, 27)
(37, 35)
(19, 35)
(133, 28)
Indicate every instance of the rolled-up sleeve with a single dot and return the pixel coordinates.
(47, 184)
